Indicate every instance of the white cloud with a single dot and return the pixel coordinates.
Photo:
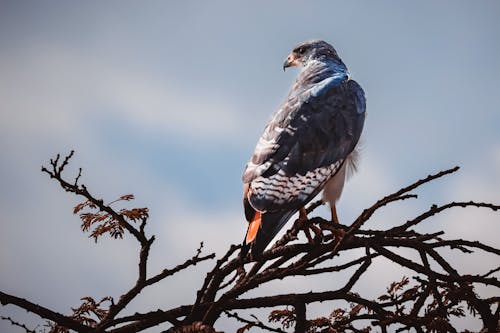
(50, 91)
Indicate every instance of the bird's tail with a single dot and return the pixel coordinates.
(263, 227)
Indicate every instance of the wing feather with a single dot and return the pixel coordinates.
(305, 144)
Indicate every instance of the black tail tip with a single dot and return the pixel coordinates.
(254, 248)
(257, 249)
(245, 248)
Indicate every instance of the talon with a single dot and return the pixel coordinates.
(318, 234)
(338, 235)
(308, 235)
(337, 232)
(304, 225)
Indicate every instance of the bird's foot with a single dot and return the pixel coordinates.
(338, 235)
(335, 229)
(305, 225)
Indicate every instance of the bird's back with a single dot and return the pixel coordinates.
(305, 143)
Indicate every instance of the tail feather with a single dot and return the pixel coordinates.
(271, 223)
(262, 227)
(253, 227)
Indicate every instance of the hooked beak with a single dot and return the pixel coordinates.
(286, 64)
(289, 62)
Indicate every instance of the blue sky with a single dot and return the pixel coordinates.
(166, 100)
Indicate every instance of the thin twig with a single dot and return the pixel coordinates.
(252, 323)
(18, 324)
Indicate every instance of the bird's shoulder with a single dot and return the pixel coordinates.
(300, 134)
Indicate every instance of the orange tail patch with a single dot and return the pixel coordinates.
(253, 227)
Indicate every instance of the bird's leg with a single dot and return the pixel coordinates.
(335, 218)
(338, 233)
(303, 214)
(302, 223)
(305, 226)
(334, 225)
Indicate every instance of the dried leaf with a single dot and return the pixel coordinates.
(355, 310)
(127, 197)
(244, 328)
(135, 214)
(286, 317)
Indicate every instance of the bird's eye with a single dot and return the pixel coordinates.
(301, 50)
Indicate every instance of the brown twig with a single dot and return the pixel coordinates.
(251, 323)
(15, 323)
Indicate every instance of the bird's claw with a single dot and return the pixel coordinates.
(305, 225)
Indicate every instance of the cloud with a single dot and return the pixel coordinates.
(115, 86)
(52, 91)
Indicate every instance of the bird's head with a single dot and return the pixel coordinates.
(308, 51)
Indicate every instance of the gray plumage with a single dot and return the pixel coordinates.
(308, 139)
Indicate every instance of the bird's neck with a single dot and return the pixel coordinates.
(318, 70)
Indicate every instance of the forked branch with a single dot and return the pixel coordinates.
(425, 302)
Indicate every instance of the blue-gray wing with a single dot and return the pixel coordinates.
(305, 144)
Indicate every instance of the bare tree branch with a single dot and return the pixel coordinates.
(43, 312)
(15, 323)
(251, 323)
(424, 303)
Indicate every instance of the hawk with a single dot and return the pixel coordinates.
(307, 145)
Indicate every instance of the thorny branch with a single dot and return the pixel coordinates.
(426, 302)
(251, 323)
(15, 323)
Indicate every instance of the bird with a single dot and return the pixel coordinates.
(309, 144)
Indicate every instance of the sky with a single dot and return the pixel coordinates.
(166, 100)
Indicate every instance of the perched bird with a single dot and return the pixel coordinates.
(306, 146)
